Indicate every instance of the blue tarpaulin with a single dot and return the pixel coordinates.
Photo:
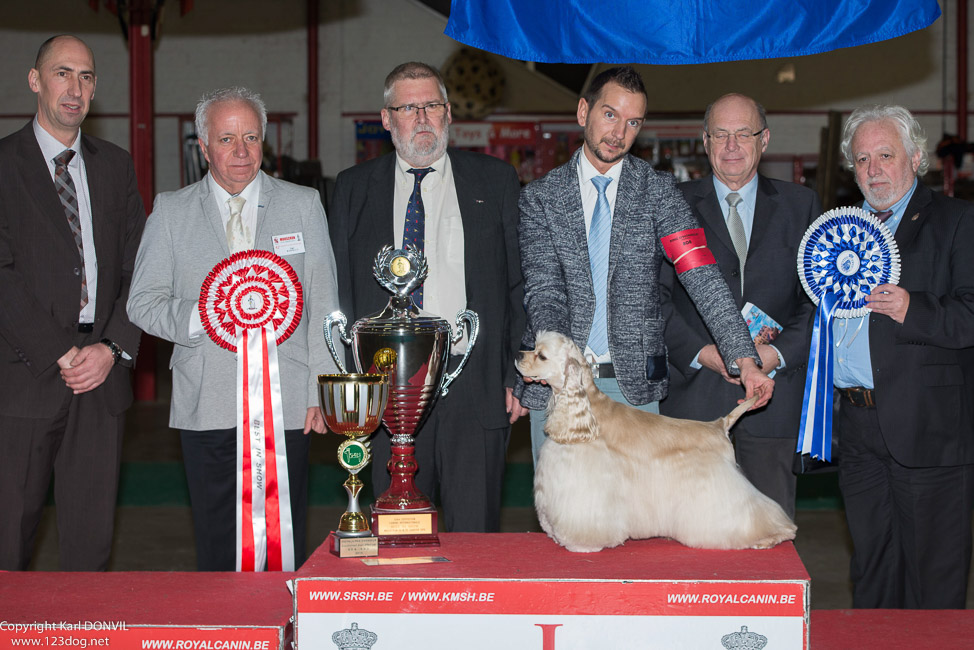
(679, 31)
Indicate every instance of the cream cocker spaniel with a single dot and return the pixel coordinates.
(609, 472)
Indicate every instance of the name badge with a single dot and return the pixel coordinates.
(288, 244)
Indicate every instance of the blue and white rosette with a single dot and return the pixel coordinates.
(844, 255)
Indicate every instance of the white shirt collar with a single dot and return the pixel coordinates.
(586, 170)
(251, 193)
(52, 147)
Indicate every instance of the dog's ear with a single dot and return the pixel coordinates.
(570, 417)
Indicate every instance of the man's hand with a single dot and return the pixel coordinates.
(769, 358)
(709, 357)
(65, 361)
(314, 420)
(755, 383)
(890, 300)
(88, 368)
(513, 405)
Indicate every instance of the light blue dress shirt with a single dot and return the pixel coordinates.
(852, 365)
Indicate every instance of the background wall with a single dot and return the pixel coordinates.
(263, 45)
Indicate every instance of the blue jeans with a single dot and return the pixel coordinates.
(608, 386)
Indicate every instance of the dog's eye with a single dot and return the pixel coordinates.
(542, 357)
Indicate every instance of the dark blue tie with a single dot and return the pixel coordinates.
(414, 230)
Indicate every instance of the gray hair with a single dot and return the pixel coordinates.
(412, 70)
(762, 114)
(911, 133)
(232, 94)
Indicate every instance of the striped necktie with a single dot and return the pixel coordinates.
(69, 200)
(598, 253)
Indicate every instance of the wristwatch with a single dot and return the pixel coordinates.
(116, 351)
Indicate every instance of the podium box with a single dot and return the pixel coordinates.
(521, 590)
(146, 610)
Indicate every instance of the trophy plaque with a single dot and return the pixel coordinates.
(352, 405)
(411, 347)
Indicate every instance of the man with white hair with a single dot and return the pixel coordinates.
(906, 420)
(233, 209)
(460, 207)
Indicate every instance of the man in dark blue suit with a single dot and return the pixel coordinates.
(773, 215)
(470, 220)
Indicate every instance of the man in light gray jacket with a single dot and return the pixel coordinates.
(235, 208)
(593, 234)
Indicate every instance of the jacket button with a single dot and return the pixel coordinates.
(77, 271)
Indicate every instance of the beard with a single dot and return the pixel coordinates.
(595, 148)
(417, 153)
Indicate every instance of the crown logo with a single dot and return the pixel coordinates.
(354, 639)
(744, 640)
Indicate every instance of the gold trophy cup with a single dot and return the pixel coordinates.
(353, 405)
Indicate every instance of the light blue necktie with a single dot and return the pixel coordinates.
(598, 253)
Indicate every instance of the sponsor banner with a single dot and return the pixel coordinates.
(475, 134)
(508, 597)
(565, 632)
(122, 636)
(488, 134)
(514, 133)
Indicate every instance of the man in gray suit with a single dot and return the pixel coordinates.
(188, 233)
(771, 217)
(593, 234)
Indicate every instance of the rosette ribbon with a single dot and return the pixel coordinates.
(843, 256)
(249, 304)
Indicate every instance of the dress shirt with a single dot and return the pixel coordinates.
(590, 195)
(51, 147)
(749, 195)
(248, 215)
(445, 290)
(853, 363)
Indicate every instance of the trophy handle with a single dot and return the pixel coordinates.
(337, 318)
(473, 329)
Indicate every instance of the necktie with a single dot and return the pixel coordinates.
(69, 199)
(883, 215)
(598, 253)
(236, 235)
(735, 226)
(414, 231)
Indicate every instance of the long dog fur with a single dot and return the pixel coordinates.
(609, 472)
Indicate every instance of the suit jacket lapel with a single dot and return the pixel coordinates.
(707, 206)
(621, 214)
(766, 201)
(913, 217)
(263, 202)
(380, 205)
(212, 216)
(36, 176)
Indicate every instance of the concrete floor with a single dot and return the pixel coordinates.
(160, 538)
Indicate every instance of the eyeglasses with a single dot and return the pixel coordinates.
(433, 109)
(742, 137)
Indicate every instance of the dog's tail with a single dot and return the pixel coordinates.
(728, 420)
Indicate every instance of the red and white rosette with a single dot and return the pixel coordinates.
(249, 304)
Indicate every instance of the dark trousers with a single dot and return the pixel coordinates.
(210, 458)
(461, 464)
(910, 527)
(767, 464)
(82, 447)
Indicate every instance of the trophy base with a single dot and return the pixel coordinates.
(405, 527)
(358, 546)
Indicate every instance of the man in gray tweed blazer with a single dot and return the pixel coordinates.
(646, 219)
(187, 234)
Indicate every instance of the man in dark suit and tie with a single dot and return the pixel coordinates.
(70, 223)
(462, 208)
(754, 225)
(906, 417)
(594, 233)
